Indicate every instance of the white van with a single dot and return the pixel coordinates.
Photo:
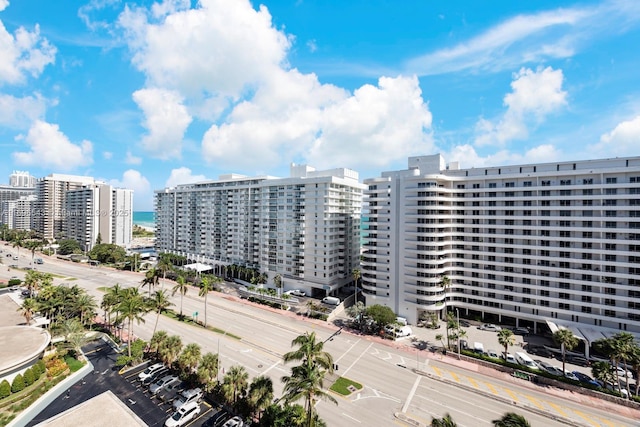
(526, 361)
(478, 347)
(331, 300)
(403, 331)
(401, 321)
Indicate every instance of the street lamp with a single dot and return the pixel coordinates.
(458, 319)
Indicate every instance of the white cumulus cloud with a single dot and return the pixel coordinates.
(623, 140)
(142, 193)
(23, 53)
(166, 119)
(49, 147)
(19, 113)
(183, 175)
(535, 94)
(130, 159)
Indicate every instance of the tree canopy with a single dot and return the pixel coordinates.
(68, 246)
(381, 314)
(107, 253)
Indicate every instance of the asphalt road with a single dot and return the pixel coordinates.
(385, 369)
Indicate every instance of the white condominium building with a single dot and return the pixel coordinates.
(49, 213)
(555, 244)
(98, 210)
(306, 228)
(22, 179)
(17, 214)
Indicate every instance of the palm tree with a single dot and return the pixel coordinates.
(159, 303)
(150, 279)
(623, 344)
(567, 341)
(306, 382)
(112, 299)
(182, 287)
(170, 350)
(28, 309)
(85, 305)
(163, 266)
(444, 283)
(505, 339)
(132, 308)
(74, 334)
(235, 384)
(445, 421)
(356, 277)
(32, 245)
(208, 371)
(189, 358)
(511, 419)
(309, 352)
(277, 281)
(207, 284)
(158, 340)
(260, 394)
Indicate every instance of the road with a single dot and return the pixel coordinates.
(391, 386)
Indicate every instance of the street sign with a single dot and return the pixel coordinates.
(195, 313)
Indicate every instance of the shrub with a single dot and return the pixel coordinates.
(15, 282)
(40, 367)
(5, 389)
(18, 384)
(29, 378)
(55, 367)
(123, 360)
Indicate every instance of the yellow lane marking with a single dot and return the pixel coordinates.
(473, 382)
(511, 394)
(437, 371)
(491, 388)
(535, 401)
(586, 418)
(558, 409)
(606, 422)
(455, 377)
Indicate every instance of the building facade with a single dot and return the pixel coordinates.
(22, 179)
(555, 244)
(306, 228)
(18, 214)
(98, 212)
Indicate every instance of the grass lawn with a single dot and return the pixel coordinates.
(345, 386)
(189, 320)
(73, 363)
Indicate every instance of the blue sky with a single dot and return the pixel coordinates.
(153, 94)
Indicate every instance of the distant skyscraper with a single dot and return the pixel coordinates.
(22, 179)
(306, 228)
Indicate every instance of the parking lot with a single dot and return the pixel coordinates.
(153, 410)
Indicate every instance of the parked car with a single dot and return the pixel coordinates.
(464, 323)
(521, 331)
(150, 371)
(490, 327)
(577, 360)
(549, 368)
(155, 375)
(234, 422)
(508, 357)
(296, 293)
(493, 354)
(540, 351)
(183, 415)
(623, 373)
(162, 383)
(187, 396)
(217, 419)
(170, 392)
(571, 376)
(586, 379)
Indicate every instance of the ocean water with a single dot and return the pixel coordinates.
(144, 219)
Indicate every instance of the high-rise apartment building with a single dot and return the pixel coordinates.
(98, 211)
(49, 213)
(17, 214)
(305, 228)
(554, 244)
(22, 179)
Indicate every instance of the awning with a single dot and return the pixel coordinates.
(199, 267)
(554, 328)
(592, 334)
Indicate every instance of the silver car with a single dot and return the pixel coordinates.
(162, 383)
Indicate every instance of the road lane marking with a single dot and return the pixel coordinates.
(357, 359)
(606, 422)
(473, 382)
(270, 368)
(454, 376)
(585, 417)
(558, 409)
(511, 394)
(535, 401)
(345, 353)
(350, 417)
(411, 394)
(437, 370)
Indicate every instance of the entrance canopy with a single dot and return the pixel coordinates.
(199, 267)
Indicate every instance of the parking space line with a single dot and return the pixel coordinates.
(558, 409)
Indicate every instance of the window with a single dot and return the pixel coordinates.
(610, 191)
(612, 180)
(565, 182)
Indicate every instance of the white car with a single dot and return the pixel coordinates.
(489, 327)
(183, 415)
(162, 383)
(493, 354)
(187, 396)
(508, 357)
(296, 293)
(150, 371)
(571, 376)
(234, 422)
